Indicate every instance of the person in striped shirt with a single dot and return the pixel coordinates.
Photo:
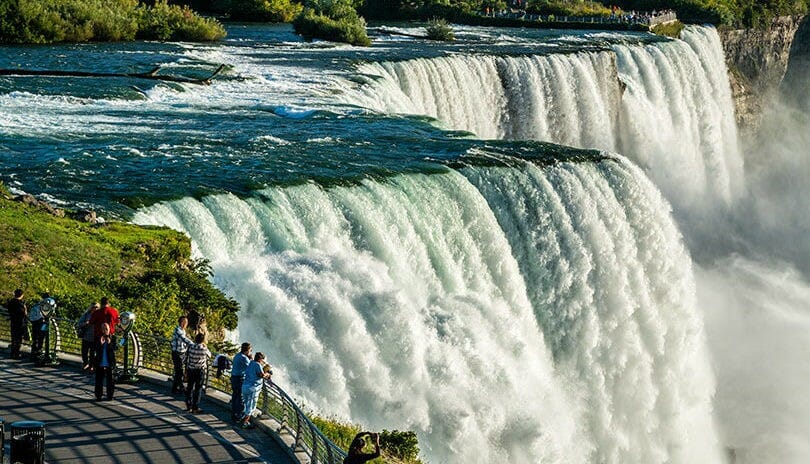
(196, 362)
(180, 343)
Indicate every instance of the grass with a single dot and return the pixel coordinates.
(671, 29)
(147, 270)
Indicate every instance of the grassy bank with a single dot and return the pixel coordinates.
(672, 29)
(147, 270)
(50, 21)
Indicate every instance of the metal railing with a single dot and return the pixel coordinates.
(643, 18)
(153, 352)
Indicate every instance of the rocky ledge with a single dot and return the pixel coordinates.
(757, 60)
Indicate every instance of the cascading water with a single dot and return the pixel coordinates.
(518, 314)
(666, 105)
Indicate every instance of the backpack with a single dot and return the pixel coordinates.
(222, 363)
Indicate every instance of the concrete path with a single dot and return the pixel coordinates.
(142, 424)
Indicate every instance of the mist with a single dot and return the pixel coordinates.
(756, 298)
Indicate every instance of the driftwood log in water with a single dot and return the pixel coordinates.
(153, 75)
(384, 31)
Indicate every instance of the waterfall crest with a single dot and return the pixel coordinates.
(665, 105)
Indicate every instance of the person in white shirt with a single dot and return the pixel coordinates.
(180, 343)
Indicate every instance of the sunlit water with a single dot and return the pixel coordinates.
(509, 300)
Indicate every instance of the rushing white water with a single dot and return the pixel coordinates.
(506, 314)
(665, 105)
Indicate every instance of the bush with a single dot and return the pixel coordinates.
(276, 11)
(404, 446)
(395, 446)
(173, 22)
(48, 21)
(334, 20)
(565, 8)
(439, 29)
(672, 29)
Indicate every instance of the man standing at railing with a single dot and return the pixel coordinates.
(104, 315)
(18, 314)
(238, 368)
(180, 343)
(38, 328)
(255, 376)
(197, 361)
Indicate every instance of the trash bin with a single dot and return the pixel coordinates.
(27, 442)
(2, 441)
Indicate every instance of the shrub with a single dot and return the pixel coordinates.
(672, 29)
(277, 11)
(395, 446)
(48, 21)
(403, 446)
(439, 29)
(334, 20)
(173, 22)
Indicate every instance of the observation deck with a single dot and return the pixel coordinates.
(144, 423)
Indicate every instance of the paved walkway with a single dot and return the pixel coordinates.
(143, 423)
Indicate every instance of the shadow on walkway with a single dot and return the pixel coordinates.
(143, 424)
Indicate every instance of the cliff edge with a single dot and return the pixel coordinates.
(757, 61)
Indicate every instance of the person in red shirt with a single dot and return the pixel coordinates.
(106, 314)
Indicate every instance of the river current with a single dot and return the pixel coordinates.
(413, 253)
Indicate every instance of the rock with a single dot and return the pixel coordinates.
(27, 199)
(757, 60)
(45, 206)
(85, 215)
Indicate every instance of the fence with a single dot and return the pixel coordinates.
(645, 18)
(154, 353)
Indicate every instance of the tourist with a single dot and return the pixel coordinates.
(38, 327)
(238, 368)
(18, 315)
(356, 455)
(105, 362)
(196, 362)
(196, 321)
(86, 334)
(180, 343)
(252, 386)
(106, 314)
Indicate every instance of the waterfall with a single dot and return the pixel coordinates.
(666, 105)
(506, 314)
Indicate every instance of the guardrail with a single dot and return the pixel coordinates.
(154, 353)
(645, 18)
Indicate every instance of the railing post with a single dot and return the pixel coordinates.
(330, 455)
(264, 394)
(314, 443)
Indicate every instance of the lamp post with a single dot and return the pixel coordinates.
(48, 357)
(127, 374)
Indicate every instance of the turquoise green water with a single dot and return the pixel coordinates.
(271, 118)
